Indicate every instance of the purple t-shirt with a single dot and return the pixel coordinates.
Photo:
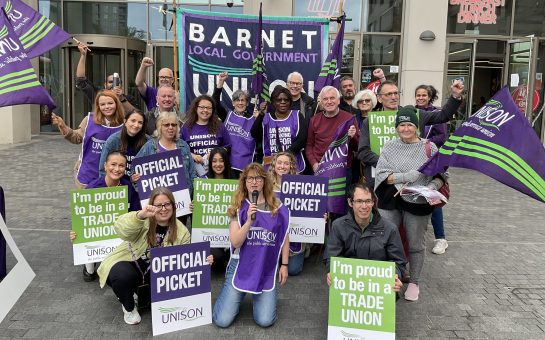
(201, 142)
(150, 98)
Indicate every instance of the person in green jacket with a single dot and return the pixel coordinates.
(126, 269)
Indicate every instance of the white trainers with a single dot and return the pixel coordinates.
(131, 318)
(440, 246)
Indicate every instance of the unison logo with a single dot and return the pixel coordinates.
(174, 314)
(261, 233)
(210, 236)
(493, 115)
(350, 336)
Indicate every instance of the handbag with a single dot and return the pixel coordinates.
(445, 188)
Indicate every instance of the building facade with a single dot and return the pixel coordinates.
(486, 43)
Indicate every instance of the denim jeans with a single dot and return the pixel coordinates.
(437, 223)
(227, 305)
(295, 264)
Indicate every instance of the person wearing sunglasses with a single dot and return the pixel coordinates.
(364, 234)
(167, 137)
(127, 268)
(282, 129)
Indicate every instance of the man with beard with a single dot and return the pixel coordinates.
(348, 91)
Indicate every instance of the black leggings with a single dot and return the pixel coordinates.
(125, 278)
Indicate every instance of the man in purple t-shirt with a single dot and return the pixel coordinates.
(149, 93)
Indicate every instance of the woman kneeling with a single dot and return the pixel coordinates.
(259, 237)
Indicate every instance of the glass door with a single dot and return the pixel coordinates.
(537, 114)
(108, 55)
(461, 66)
(519, 76)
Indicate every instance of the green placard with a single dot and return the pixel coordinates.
(381, 129)
(94, 212)
(361, 296)
(211, 199)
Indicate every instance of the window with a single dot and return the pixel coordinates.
(478, 17)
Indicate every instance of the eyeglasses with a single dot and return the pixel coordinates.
(364, 101)
(241, 99)
(162, 206)
(363, 202)
(257, 179)
(282, 100)
(167, 125)
(205, 108)
(295, 83)
(165, 78)
(390, 94)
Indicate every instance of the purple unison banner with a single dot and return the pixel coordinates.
(18, 81)
(333, 165)
(211, 43)
(306, 198)
(497, 141)
(180, 287)
(37, 33)
(164, 169)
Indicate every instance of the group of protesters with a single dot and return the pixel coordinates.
(257, 145)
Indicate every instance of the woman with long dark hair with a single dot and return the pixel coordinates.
(425, 95)
(129, 140)
(127, 266)
(203, 130)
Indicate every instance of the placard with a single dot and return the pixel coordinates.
(94, 212)
(361, 299)
(306, 198)
(180, 287)
(211, 199)
(163, 169)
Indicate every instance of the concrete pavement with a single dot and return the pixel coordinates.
(488, 285)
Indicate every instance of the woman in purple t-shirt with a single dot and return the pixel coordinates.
(203, 130)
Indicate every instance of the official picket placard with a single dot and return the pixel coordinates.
(210, 43)
(180, 287)
(381, 129)
(164, 169)
(94, 212)
(361, 299)
(306, 198)
(210, 222)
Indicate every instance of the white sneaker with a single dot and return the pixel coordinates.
(131, 318)
(440, 246)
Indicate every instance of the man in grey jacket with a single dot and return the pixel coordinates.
(363, 234)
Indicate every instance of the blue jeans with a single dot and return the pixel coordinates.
(295, 264)
(437, 223)
(227, 305)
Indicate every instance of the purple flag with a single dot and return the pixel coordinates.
(260, 86)
(498, 141)
(331, 70)
(333, 165)
(18, 82)
(36, 33)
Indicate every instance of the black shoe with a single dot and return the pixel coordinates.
(88, 277)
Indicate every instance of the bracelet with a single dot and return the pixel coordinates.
(124, 100)
(284, 264)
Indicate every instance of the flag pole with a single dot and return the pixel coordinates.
(175, 49)
(341, 7)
